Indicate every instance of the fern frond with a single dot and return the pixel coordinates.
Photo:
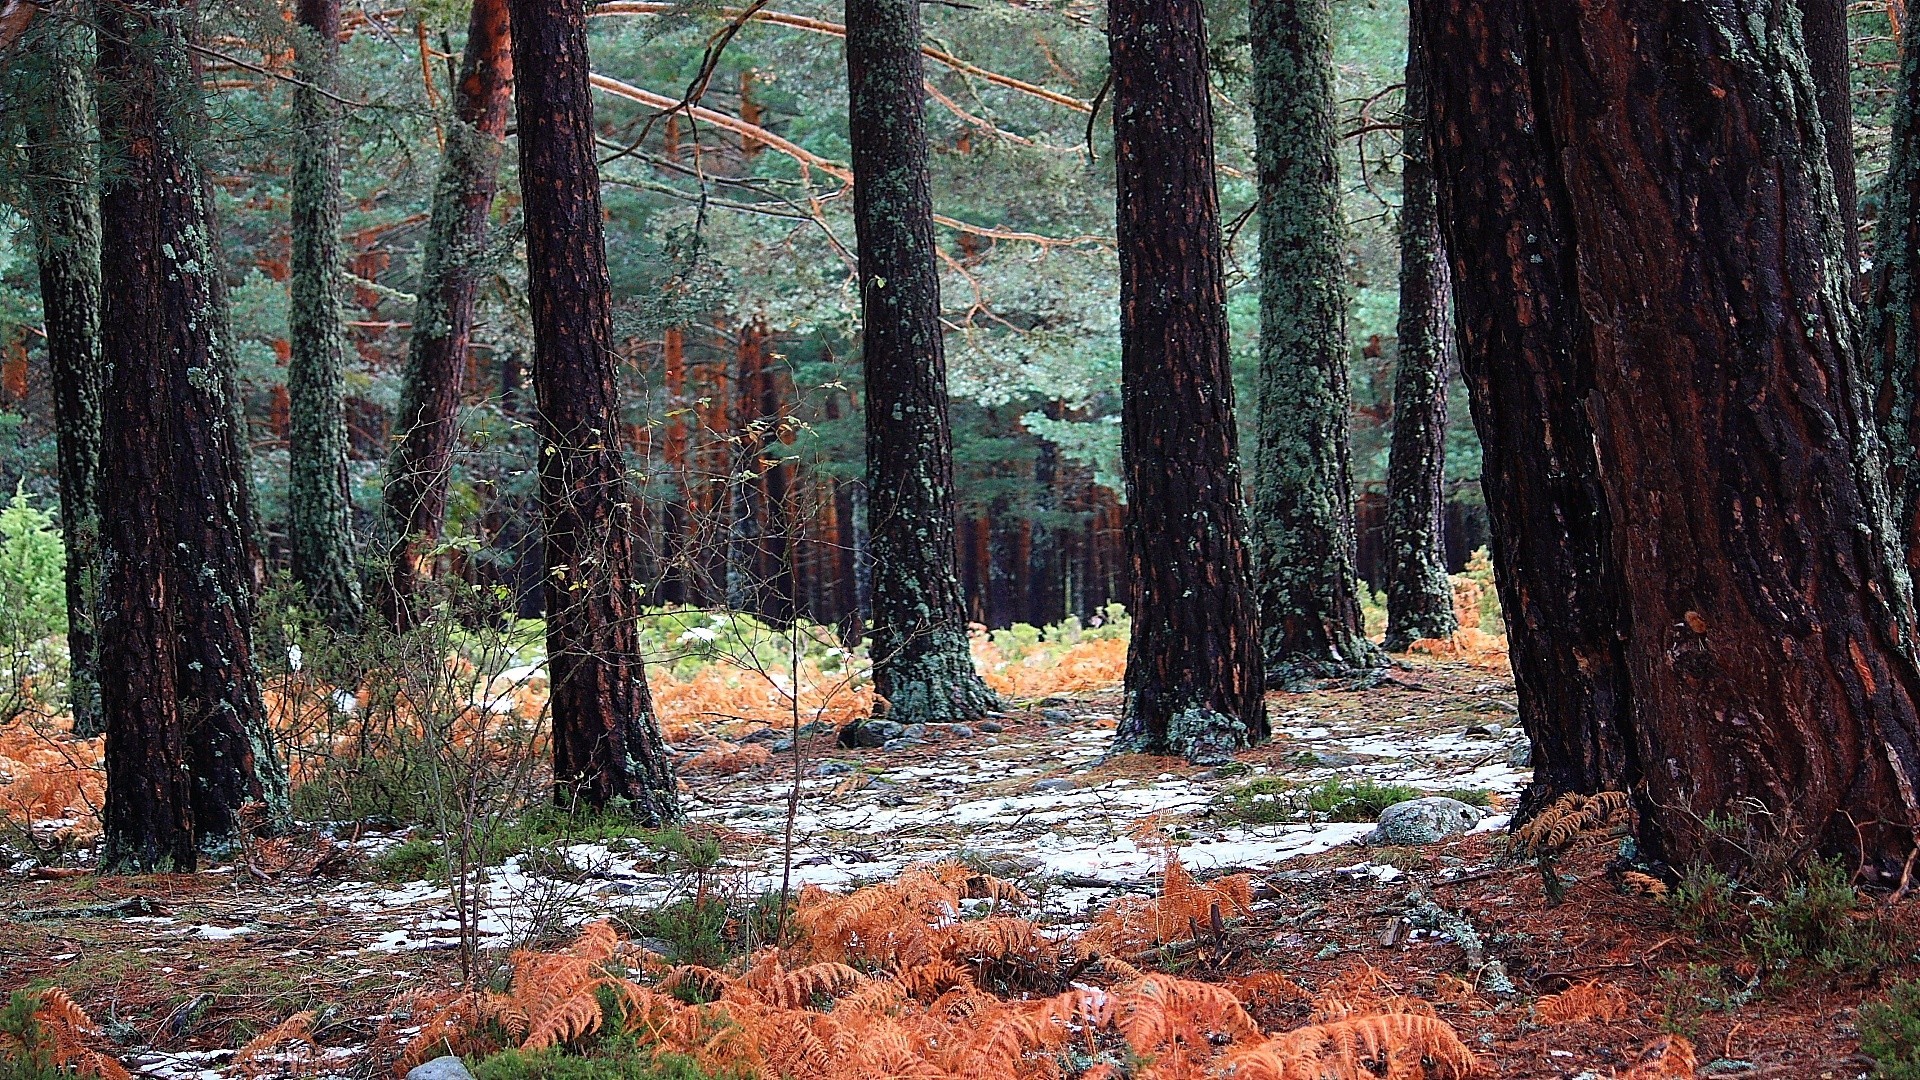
(1587, 1002)
(1570, 818)
(566, 1021)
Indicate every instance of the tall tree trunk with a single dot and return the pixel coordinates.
(451, 266)
(1419, 596)
(63, 179)
(1193, 683)
(1893, 322)
(1529, 373)
(1830, 57)
(1303, 499)
(606, 742)
(187, 746)
(319, 511)
(921, 661)
(1771, 674)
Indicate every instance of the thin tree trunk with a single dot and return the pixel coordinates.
(1529, 373)
(186, 735)
(1193, 684)
(319, 511)
(1824, 25)
(1419, 595)
(1303, 499)
(1893, 331)
(922, 664)
(607, 745)
(451, 266)
(63, 179)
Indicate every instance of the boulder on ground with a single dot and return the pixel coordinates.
(1423, 821)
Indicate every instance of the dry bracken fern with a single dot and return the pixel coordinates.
(1571, 818)
(1584, 1003)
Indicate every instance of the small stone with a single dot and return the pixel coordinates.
(1484, 731)
(1055, 783)
(765, 734)
(1423, 821)
(915, 731)
(1521, 756)
(990, 727)
(960, 731)
(894, 745)
(781, 746)
(832, 768)
(1058, 716)
(441, 1068)
(870, 734)
(1726, 1067)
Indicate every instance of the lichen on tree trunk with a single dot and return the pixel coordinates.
(1193, 682)
(922, 664)
(1309, 593)
(319, 512)
(452, 261)
(1419, 594)
(62, 188)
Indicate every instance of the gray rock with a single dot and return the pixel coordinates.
(1328, 758)
(1423, 821)
(915, 731)
(1055, 783)
(1484, 731)
(870, 734)
(991, 727)
(440, 1068)
(781, 746)
(832, 768)
(892, 745)
(1726, 1067)
(1058, 716)
(960, 731)
(1521, 756)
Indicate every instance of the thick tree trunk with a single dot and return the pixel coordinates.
(186, 735)
(607, 744)
(921, 661)
(451, 266)
(319, 511)
(1193, 683)
(1529, 374)
(1419, 595)
(63, 178)
(1303, 499)
(1893, 330)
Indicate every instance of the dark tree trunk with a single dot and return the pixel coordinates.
(1528, 370)
(606, 743)
(452, 263)
(1193, 683)
(1303, 498)
(319, 513)
(1893, 329)
(922, 664)
(63, 179)
(1419, 595)
(1772, 683)
(186, 737)
(1824, 25)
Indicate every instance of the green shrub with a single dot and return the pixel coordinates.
(25, 1051)
(1338, 799)
(1890, 1032)
(412, 860)
(614, 1060)
(1822, 919)
(33, 610)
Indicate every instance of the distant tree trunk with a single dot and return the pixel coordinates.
(62, 163)
(607, 744)
(187, 748)
(319, 512)
(1193, 684)
(922, 664)
(1529, 373)
(1772, 681)
(1893, 322)
(1303, 499)
(1419, 595)
(1824, 25)
(451, 266)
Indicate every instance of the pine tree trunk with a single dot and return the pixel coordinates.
(1193, 684)
(1419, 595)
(451, 266)
(922, 664)
(63, 174)
(187, 746)
(1772, 683)
(1893, 330)
(607, 745)
(1303, 499)
(1528, 371)
(319, 513)
(1830, 56)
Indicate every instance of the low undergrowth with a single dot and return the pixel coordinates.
(1272, 800)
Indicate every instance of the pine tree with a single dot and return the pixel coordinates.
(452, 262)
(319, 511)
(606, 743)
(63, 192)
(187, 744)
(1303, 499)
(922, 662)
(1193, 684)
(1419, 595)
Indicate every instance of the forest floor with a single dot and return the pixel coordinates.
(192, 966)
